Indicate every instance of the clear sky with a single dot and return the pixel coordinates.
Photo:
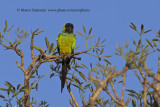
(109, 19)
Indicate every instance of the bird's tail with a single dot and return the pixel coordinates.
(64, 73)
(67, 63)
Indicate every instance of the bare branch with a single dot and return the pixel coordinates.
(114, 90)
(158, 73)
(71, 94)
(34, 60)
(32, 54)
(123, 87)
(138, 77)
(100, 88)
(35, 69)
(106, 89)
(21, 67)
(113, 98)
(141, 72)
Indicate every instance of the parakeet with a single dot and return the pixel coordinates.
(65, 45)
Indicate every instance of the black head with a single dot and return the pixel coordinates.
(69, 28)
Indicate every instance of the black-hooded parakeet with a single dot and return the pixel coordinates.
(65, 45)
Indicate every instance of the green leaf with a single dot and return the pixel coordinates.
(47, 42)
(90, 31)
(54, 49)
(18, 86)
(91, 65)
(18, 30)
(133, 26)
(150, 93)
(139, 42)
(35, 30)
(76, 47)
(102, 51)
(10, 85)
(134, 103)
(158, 33)
(147, 31)
(4, 30)
(39, 49)
(99, 65)
(22, 98)
(126, 44)
(97, 52)
(142, 53)
(98, 39)
(107, 61)
(33, 82)
(76, 80)
(2, 96)
(120, 81)
(10, 28)
(76, 86)
(5, 26)
(84, 65)
(91, 89)
(107, 55)
(155, 39)
(51, 75)
(134, 42)
(5, 22)
(133, 92)
(21, 31)
(40, 31)
(15, 94)
(103, 41)
(50, 48)
(84, 29)
(37, 87)
(69, 79)
(154, 44)
(91, 44)
(86, 86)
(149, 43)
(80, 33)
(91, 36)
(83, 76)
(146, 46)
(0, 35)
(79, 66)
(142, 28)
(3, 89)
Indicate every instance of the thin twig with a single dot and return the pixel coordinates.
(100, 88)
(35, 69)
(71, 94)
(123, 87)
(114, 90)
(32, 54)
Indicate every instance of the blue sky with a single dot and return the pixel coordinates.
(109, 19)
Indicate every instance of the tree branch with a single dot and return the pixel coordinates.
(71, 94)
(100, 88)
(35, 69)
(114, 90)
(32, 54)
(124, 80)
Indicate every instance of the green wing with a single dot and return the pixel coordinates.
(73, 44)
(58, 43)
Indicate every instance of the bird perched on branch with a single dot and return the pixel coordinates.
(65, 45)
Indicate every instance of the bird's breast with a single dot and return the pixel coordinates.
(65, 45)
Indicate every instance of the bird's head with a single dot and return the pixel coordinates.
(68, 28)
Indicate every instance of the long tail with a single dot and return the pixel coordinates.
(64, 73)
